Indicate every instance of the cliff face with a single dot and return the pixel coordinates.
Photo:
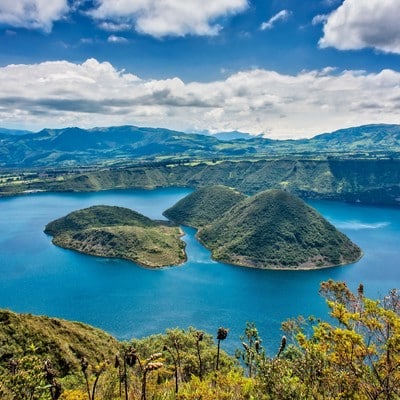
(369, 181)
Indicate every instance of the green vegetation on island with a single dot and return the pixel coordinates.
(354, 355)
(109, 231)
(204, 206)
(272, 229)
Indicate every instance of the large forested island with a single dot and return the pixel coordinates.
(109, 231)
(272, 229)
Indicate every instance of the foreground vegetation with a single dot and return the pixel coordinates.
(117, 232)
(355, 356)
(272, 229)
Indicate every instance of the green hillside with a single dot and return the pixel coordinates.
(29, 344)
(360, 180)
(360, 138)
(117, 232)
(272, 229)
(64, 342)
(204, 205)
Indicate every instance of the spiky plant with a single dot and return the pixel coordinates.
(221, 335)
(199, 335)
(282, 346)
(150, 365)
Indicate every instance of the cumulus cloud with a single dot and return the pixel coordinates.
(282, 15)
(59, 94)
(32, 14)
(359, 24)
(117, 39)
(161, 18)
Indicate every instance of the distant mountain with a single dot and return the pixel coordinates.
(75, 146)
(234, 135)
(118, 232)
(79, 147)
(361, 138)
(272, 229)
(13, 131)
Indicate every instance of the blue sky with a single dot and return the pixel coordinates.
(284, 68)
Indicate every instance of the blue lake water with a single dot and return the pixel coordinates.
(129, 301)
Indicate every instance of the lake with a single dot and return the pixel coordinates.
(130, 301)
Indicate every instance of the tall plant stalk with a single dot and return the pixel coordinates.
(221, 335)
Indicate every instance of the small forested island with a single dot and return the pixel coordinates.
(117, 232)
(271, 230)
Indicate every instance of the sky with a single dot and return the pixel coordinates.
(281, 68)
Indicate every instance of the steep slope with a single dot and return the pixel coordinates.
(204, 205)
(367, 181)
(118, 232)
(272, 229)
(63, 342)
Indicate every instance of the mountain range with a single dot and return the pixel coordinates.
(99, 146)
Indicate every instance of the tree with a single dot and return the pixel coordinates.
(359, 356)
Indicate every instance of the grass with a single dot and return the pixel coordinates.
(64, 342)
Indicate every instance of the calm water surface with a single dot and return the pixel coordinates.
(129, 301)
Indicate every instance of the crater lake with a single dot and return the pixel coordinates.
(129, 301)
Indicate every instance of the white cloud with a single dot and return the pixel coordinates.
(359, 24)
(86, 40)
(282, 15)
(117, 39)
(319, 19)
(161, 18)
(114, 27)
(32, 14)
(59, 94)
